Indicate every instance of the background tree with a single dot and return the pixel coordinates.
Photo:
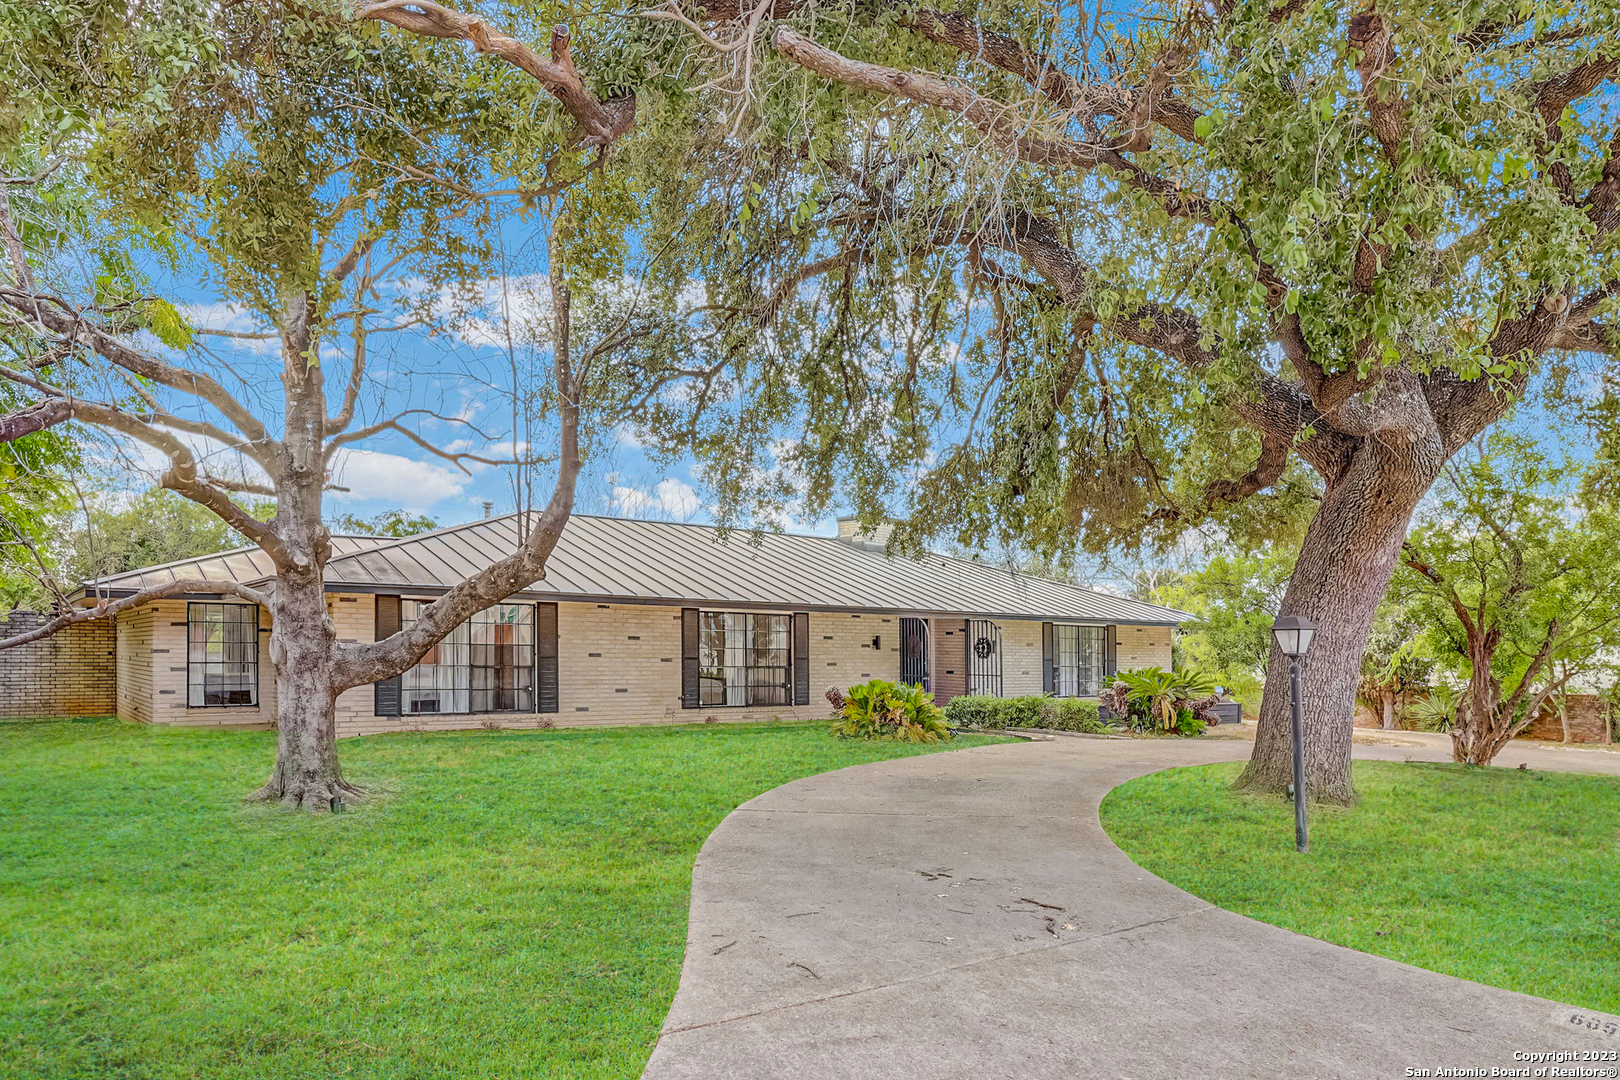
(333, 179)
(1520, 584)
(1234, 598)
(1394, 667)
(1028, 269)
(386, 523)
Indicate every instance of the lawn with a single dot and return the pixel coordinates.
(510, 904)
(1505, 877)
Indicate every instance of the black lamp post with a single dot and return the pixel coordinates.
(1294, 634)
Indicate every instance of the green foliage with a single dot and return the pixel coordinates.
(440, 871)
(1233, 598)
(1435, 711)
(994, 400)
(117, 534)
(385, 523)
(1151, 699)
(880, 709)
(1513, 546)
(1028, 711)
(1532, 851)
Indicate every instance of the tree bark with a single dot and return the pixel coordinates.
(1344, 567)
(1389, 710)
(306, 775)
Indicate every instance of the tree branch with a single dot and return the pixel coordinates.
(601, 121)
(106, 609)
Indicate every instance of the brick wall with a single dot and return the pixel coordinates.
(69, 673)
(616, 664)
(152, 672)
(1588, 717)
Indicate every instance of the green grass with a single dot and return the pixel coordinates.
(509, 905)
(1505, 877)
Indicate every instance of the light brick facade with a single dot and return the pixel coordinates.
(69, 673)
(617, 664)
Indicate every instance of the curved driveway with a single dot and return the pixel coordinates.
(963, 915)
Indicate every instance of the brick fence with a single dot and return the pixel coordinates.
(1588, 717)
(69, 673)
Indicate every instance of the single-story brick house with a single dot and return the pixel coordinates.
(635, 622)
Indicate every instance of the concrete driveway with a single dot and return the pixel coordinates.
(963, 915)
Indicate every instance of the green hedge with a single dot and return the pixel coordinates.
(1030, 711)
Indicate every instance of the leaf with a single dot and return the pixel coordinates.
(167, 325)
(1203, 126)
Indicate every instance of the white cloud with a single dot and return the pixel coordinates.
(669, 498)
(371, 475)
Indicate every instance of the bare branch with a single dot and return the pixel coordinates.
(106, 609)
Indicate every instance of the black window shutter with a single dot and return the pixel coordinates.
(1048, 669)
(546, 695)
(1111, 650)
(691, 698)
(386, 693)
(801, 658)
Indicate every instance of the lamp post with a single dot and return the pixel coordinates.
(1294, 634)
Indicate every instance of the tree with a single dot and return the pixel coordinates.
(1394, 664)
(1520, 584)
(1233, 598)
(1023, 270)
(336, 180)
(386, 523)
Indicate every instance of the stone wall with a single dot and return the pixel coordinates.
(69, 673)
(1588, 717)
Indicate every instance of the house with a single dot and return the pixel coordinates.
(635, 622)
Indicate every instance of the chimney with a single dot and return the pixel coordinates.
(489, 508)
(850, 531)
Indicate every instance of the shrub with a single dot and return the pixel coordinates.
(884, 710)
(1075, 714)
(1029, 711)
(975, 710)
(1172, 702)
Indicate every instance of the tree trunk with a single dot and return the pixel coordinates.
(306, 774)
(303, 641)
(1344, 566)
(1389, 710)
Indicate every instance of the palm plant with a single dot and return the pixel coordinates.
(1171, 701)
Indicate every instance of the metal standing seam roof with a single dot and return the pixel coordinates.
(242, 565)
(604, 558)
(608, 558)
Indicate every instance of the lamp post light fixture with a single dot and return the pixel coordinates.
(1294, 634)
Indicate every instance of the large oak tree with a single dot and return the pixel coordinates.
(1026, 270)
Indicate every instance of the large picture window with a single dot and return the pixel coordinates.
(1077, 657)
(222, 655)
(744, 659)
(484, 665)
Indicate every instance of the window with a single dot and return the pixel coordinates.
(744, 659)
(484, 665)
(222, 655)
(1077, 659)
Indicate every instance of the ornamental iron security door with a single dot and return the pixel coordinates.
(984, 657)
(914, 653)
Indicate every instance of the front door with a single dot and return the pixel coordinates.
(914, 653)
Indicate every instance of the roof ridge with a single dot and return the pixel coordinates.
(396, 541)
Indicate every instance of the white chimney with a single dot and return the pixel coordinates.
(850, 530)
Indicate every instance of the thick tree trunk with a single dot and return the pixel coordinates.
(306, 774)
(303, 641)
(1344, 566)
(1389, 710)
